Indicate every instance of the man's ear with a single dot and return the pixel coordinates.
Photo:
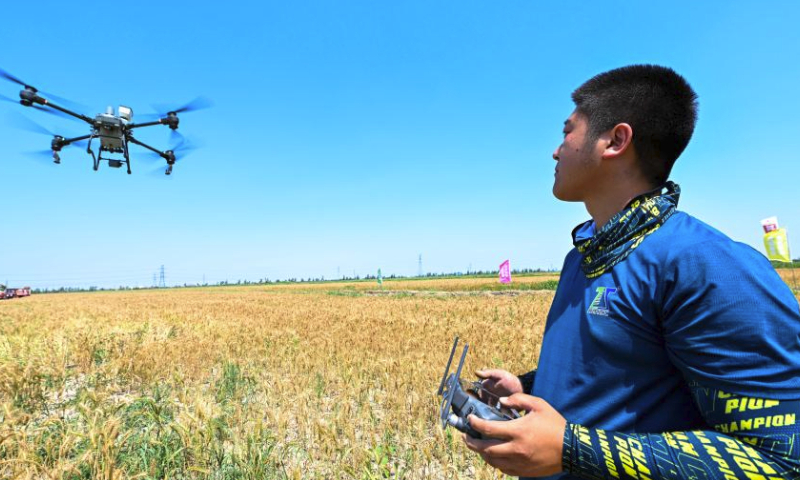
(618, 141)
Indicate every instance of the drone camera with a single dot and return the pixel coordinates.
(115, 163)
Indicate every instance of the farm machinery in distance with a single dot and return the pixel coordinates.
(6, 293)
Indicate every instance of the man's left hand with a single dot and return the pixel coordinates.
(530, 446)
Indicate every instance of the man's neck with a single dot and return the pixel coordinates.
(608, 202)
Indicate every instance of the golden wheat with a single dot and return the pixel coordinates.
(288, 381)
(328, 380)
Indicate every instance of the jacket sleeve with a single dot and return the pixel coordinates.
(748, 438)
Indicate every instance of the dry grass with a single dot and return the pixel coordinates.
(294, 381)
(332, 380)
(791, 276)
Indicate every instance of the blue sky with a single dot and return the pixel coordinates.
(348, 136)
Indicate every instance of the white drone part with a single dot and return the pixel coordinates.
(125, 113)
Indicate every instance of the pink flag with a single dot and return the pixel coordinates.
(505, 272)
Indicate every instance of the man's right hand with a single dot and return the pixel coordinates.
(499, 382)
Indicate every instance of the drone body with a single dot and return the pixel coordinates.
(113, 132)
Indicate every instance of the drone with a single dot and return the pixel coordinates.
(468, 399)
(113, 131)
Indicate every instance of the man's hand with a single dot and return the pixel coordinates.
(499, 382)
(530, 446)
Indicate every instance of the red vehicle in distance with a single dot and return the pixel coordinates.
(6, 293)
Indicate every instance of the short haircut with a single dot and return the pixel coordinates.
(656, 102)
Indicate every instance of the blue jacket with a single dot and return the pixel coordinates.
(688, 309)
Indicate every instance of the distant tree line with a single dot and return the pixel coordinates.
(321, 279)
(794, 264)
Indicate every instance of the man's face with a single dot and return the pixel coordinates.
(577, 159)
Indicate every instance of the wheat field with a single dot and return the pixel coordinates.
(328, 380)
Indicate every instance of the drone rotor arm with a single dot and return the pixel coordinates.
(170, 120)
(48, 103)
(167, 155)
(70, 141)
(30, 97)
(145, 124)
(152, 149)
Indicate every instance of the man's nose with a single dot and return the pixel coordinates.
(555, 153)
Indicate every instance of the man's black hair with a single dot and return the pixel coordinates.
(656, 102)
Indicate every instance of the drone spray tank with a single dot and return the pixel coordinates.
(110, 132)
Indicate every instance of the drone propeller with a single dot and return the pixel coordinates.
(198, 103)
(12, 78)
(162, 111)
(24, 123)
(181, 144)
(180, 147)
(56, 98)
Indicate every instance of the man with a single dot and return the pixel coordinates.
(670, 351)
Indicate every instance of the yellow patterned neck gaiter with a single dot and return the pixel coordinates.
(626, 230)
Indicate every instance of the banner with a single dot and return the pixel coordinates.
(776, 242)
(505, 272)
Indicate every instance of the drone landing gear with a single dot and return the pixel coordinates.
(112, 162)
(127, 158)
